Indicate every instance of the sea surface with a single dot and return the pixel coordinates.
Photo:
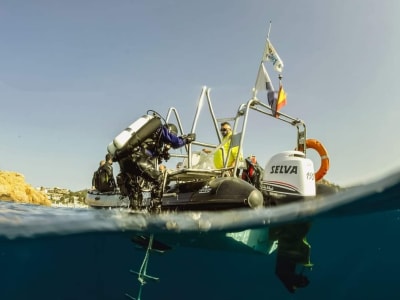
(84, 253)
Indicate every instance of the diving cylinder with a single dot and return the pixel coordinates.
(111, 148)
(289, 173)
(135, 133)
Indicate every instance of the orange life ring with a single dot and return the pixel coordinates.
(323, 169)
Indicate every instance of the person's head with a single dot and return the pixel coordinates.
(102, 162)
(108, 157)
(225, 128)
(172, 128)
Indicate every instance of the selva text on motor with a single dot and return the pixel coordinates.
(283, 170)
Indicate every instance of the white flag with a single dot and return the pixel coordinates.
(271, 54)
(263, 82)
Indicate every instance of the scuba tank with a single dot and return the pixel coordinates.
(134, 134)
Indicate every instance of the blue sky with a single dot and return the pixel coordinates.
(73, 74)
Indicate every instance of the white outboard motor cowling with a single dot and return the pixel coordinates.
(289, 173)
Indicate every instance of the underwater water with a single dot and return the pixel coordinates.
(65, 253)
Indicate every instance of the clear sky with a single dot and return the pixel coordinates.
(73, 74)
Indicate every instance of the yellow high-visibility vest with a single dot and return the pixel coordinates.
(222, 151)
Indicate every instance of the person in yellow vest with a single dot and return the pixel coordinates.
(222, 151)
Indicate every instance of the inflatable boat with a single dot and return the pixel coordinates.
(197, 185)
(216, 194)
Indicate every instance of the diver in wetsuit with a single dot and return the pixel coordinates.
(293, 250)
(103, 179)
(143, 159)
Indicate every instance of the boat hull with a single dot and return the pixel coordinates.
(216, 194)
(106, 200)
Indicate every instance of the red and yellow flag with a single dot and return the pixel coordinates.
(280, 101)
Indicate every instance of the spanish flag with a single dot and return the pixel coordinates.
(280, 102)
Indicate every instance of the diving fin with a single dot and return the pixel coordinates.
(286, 271)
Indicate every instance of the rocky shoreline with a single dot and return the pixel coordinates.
(14, 188)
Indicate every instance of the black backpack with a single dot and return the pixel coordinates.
(253, 173)
(102, 180)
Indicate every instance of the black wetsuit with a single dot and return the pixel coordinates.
(103, 178)
(143, 161)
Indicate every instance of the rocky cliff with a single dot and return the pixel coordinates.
(14, 188)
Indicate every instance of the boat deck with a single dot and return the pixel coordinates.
(188, 174)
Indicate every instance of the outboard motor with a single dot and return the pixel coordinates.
(289, 173)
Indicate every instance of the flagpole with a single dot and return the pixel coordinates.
(269, 83)
(254, 93)
(266, 42)
(269, 29)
